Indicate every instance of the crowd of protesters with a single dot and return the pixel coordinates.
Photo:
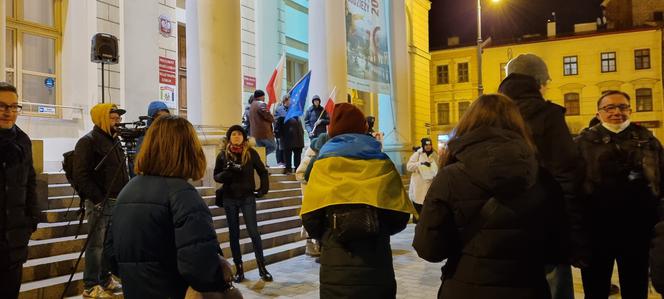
(511, 204)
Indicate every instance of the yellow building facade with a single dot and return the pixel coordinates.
(581, 68)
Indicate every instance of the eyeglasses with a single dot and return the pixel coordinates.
(609, 108)
(10, 108)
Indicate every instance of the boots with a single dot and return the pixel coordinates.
(266, 276)
(239, 273)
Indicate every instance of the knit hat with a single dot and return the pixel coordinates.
(258, 93)
(347, 119)
(425, 141)
(236, 128)
(100, 115)
(529, 65)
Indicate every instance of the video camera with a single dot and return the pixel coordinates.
(129, 132)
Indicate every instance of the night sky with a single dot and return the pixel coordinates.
(506, 20)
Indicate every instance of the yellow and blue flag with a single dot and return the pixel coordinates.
(351, 169)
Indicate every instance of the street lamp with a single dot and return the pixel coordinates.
(480, 87)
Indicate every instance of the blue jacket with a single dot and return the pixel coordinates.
(310, 118)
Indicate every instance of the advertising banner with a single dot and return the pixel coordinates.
(367, 45)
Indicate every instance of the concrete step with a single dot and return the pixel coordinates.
(71, 205)
(65, 190)
(268, 210)
(53, 287)
(57, 265)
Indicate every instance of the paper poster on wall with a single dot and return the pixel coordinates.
(367, 45)
(167, 82)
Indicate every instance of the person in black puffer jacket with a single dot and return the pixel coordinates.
(161, 239)
(20, 211)
(560, 162)
(486, 211)
(235, 170)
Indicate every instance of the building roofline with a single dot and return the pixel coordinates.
(544, 39)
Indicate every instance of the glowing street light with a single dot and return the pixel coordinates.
(480, 87)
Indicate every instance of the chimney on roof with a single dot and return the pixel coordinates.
(551, 25)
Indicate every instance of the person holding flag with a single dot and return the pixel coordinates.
(316, 119)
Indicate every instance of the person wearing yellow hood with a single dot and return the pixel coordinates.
(353, 203)
(99, 189)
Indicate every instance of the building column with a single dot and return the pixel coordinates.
(327, 56)
(420, 60)
(395, 110)
(3, 39)
(268, 46)
(214, 71)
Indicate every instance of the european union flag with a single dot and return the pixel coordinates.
(298, 97)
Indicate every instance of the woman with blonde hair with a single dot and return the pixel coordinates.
(486, 211)
(161, 240)
(234, 168)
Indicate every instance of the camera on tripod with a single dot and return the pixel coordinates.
(130, 132)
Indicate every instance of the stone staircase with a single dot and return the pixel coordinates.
(54, 247)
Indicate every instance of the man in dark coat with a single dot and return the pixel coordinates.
(19, 209)
(292, 139)
(558, 158)
(261, 123)
(623, 183)
(99, 188)
(316, 118)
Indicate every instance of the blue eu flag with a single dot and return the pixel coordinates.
(298, 97)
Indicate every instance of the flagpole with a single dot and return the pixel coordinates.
(321, 113)
(298, 81)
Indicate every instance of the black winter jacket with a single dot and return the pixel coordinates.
(89, 151)
(623, 182)
(558, 156)
(292, 134)
(19, 209)
(310, 118)
(240, 184)
(496, 251)
(359, 269)
(161, 240)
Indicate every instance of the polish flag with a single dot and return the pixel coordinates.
(329, 103)
(274, 85)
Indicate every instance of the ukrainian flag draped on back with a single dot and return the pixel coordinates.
(351, 169)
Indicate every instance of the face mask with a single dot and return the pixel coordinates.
(616, 128)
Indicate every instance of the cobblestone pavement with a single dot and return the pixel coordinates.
(298, 277)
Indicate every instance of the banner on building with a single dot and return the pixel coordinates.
(367, 45)
(167, 81)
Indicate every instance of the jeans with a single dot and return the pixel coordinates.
(280, 152)
(97, 269)
(269, 144)
(248, 207)
(10, 280)
(292, 158)
(559, 278)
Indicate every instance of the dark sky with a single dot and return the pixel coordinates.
(506, 20)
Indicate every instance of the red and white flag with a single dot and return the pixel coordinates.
(329, 103)
(274, 85)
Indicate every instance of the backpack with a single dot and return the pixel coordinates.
(68, 168)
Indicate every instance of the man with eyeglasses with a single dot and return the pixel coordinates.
(623, 183)
(19, 210)
(99, 188)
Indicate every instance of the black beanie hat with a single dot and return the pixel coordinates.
(425, 141)
(236, 128)
(258, 93)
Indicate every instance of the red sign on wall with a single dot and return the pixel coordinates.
(250, 81)
(167, 71)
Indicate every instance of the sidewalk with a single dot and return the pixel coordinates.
(298, 277)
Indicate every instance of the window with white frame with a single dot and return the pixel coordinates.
(33, 40)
